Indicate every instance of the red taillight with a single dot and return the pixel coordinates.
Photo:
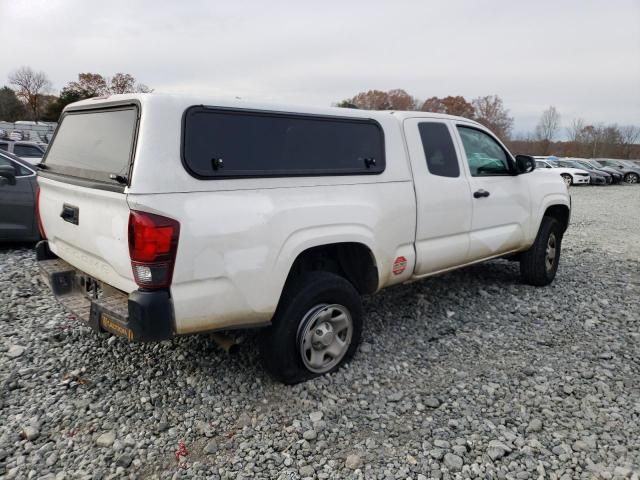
(153, 243)
(38, 219)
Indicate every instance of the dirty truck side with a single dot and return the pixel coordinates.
(167, 215)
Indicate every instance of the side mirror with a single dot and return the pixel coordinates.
(525, 164)
(8, 174)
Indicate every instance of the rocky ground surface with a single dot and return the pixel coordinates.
(467, 375)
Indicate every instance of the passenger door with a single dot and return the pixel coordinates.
(17, 221)
(442, 195)
(501, 200)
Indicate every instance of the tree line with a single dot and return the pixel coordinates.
(29, 97)
(582, 139)
(29, 93)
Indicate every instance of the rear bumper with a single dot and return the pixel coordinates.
(143, 315)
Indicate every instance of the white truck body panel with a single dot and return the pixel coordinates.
(239, 237)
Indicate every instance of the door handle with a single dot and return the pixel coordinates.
(481, 193)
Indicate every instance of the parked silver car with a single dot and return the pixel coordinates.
(18, 189)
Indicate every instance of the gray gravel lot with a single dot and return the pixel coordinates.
(467, 375)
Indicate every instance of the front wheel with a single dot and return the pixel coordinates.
(539, 264)
(631, 178)
(568, 179)
(315, 330)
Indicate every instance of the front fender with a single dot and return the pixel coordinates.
(548, 200)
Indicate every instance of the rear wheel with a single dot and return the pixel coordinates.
(568, 179)
(315, 330)
(539, 264)
(631, 178)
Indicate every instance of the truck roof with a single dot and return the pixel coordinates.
(184, 101)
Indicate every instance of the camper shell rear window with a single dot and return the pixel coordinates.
(231, 143)
(94, 145)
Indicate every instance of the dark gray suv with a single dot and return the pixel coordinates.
(18, 190)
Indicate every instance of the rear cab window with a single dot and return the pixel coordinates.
(94, 146)
(438, 149)
(232, 143)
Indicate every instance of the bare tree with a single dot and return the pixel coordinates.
(576, 130)
(548, 125)
(490, 112)
(629, 136)
(547, 129)
(30, 87)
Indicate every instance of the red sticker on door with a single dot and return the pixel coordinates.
(399, 265)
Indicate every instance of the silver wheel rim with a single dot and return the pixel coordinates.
(324, 337)
(567, 180)
(633, 178)
(550, 258)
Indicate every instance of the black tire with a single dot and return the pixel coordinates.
(534, 265)
(281, 344)
(632, 178)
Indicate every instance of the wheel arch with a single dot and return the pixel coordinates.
(353, 260)
(560, 212)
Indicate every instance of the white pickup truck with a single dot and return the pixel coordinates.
(169, 215)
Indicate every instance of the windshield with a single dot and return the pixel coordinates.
(553, 163)
(629, 163)
(586, 165)
(94, 144)
(569, 164)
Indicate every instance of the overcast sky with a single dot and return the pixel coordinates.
(581, 56)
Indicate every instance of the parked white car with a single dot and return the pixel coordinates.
(31, 152)
(571, 176)
(170, 215)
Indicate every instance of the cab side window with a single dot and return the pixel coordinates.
(485, 156)
(439, 150)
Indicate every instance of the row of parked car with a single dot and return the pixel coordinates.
(18, 223)
(582, 171)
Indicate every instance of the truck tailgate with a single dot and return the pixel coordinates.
(87, 228)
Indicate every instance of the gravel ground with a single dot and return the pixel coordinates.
(467, 375)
